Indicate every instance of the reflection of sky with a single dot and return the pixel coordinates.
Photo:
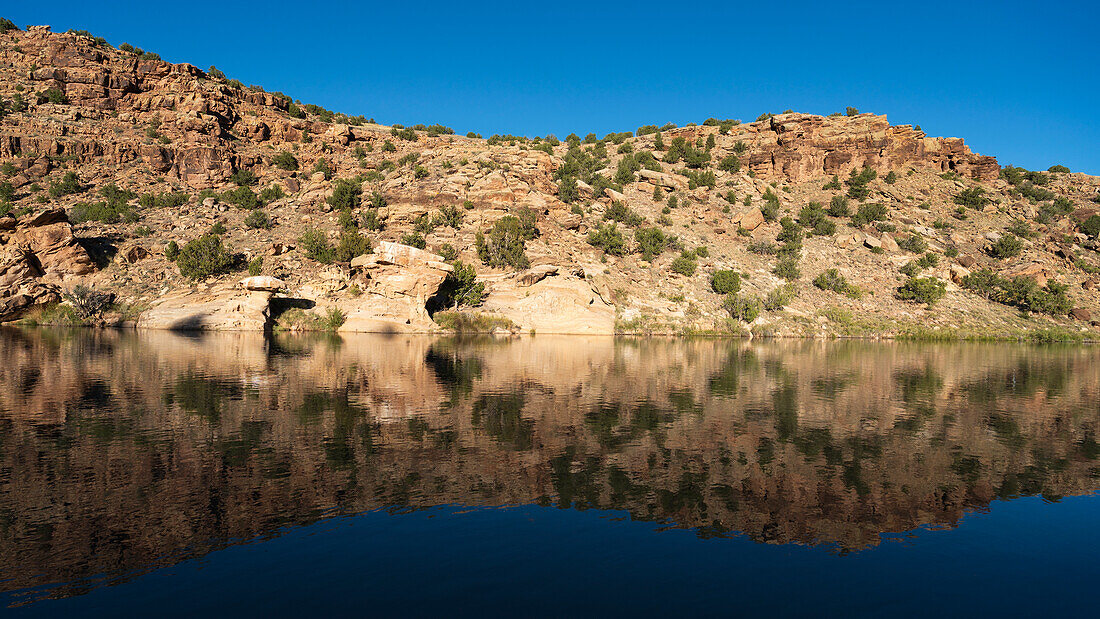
(1023, 557)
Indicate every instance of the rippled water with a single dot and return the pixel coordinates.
(544, 475)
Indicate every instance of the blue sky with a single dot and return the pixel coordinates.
(1017, 80)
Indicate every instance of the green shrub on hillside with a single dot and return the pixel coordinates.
(725, 281)
(505, 244)
(608, 238)
(205, 256)
(926, 290)
(745, 309)
(1008, 246)
(316, 246)
(285, 161)
(1020, 292)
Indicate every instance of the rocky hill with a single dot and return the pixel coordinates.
(140, 191)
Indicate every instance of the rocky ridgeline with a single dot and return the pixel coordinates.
(129, 122)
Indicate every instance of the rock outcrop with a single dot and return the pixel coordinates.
(38, 255)
(219, 308)
(550, 300)
(396, 283)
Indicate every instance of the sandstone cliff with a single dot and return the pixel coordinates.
(162, 153)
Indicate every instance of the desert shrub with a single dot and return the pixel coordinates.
(608, 238)
(1022, 230)
(504, 245)
(857, 183)
(851, 111)
(109, 212)
(780, 297)
(324, 167)
(204, 256)
(832, 184)
(1058, 168)
(730, 163)
(256, 266)
(725, 281)
(167, 199)
(834, 281)
(172, 251)
(811, 215)
(404, 134)
(745, 309)
(244, 178)
(623, 214)
(1008, 246)
(351, 244)
(242, 197)
(787, 268)
(928, 260)
(568, 191)
(914, 243)
(1021, 292)
(271, 194)
(770, 210)
(1091, 226)
(765, 248)
(890, 178)
(868, 213)
(346, 194)
(257, 219)
(450, 216)
(6, 25)
(973, 197)
(316, 246)
(414, 239)
(684, 264)
(285, 161)
(54, 95)
(372, 221)
(69, 184)
(926, 290)
(461, 287)
(838, 207)
(87, 302)
(700, 178)
(651, 242)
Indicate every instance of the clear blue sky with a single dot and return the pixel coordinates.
(1018, 80)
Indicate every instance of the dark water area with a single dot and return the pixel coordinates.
(232, 474)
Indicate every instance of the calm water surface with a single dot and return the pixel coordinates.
(551, 476)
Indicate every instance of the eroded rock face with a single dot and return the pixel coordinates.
(397, 281)
(802, 146)
(220, 308)
(549, 300)
(38, 253)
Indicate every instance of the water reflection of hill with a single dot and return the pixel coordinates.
(121, 452)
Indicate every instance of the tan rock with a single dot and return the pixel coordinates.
(264, 283)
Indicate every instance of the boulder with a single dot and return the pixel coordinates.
(264, 283)
(1080, 313)
(749, 219)
(555, 304)
(222, 308)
